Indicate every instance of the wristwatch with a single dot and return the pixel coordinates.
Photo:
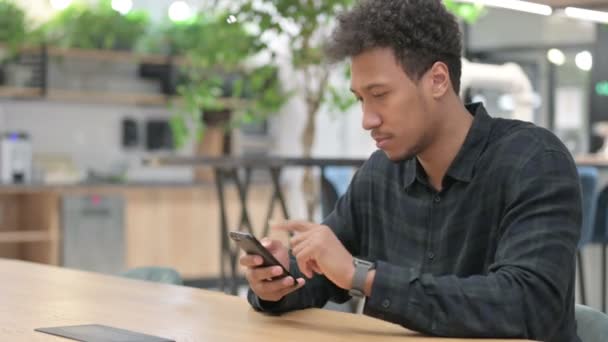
(362, 268)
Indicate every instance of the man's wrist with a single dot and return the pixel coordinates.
(350, 274)
(360, 279)
(369, 283)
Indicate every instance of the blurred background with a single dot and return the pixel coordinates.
(136, 133)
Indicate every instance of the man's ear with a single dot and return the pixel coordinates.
(439, 78)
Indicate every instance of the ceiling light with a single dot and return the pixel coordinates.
(122, 6)
(180, 11)
(584, 60)
(232, 19)
(556, 57)
(584, 14)
(60, 4)
(517, 5)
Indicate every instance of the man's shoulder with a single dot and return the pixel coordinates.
(523, 140)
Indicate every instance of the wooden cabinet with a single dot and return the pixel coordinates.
(174, 226)
(29, 226)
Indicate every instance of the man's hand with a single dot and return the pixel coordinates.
(318, 250)
(261, 278)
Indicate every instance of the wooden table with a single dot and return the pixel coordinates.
(594, 160)
(35, 296)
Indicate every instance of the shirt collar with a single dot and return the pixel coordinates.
(463, 166)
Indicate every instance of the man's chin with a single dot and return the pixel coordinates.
(398, 157)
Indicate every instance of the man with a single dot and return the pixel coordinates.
(461, 225)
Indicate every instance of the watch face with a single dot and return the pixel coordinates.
(362, 262)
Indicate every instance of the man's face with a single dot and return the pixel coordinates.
(396, 109)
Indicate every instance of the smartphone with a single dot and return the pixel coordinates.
(252, 246)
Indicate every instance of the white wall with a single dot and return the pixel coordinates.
(500, 28)
(88, 134)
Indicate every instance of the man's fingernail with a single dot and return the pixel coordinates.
(288, 281)
(258, 260)
(277, 270)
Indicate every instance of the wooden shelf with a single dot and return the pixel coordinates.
(20, 92)
(108, 55)
(101, 97)
(107, 97)
(596, 160)
(103, 55)
(25, 236)
(85, 96)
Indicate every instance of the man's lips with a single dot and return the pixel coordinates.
(381, 141)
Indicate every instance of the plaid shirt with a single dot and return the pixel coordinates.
(491, 255)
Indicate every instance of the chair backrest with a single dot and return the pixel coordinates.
(333, 186)
(600, 232)
(589, 178)
(591, 325)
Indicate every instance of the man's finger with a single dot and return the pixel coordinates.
(315, 266)
(303, 257)
(275, 286)
(271, 245)
(297, 249)
(293, 226)
(291, 289)
(251, 260)
(263, 273)
(299, 238)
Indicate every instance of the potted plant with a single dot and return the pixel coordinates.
(221, 88)
(13, 32)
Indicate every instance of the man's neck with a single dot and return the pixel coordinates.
(437, 157)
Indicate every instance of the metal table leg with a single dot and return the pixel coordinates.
(243, 191)
(225, 247)
(229, 255)
(276, 180)
(277, 195)
(603, 273)
(581, 275)
(245, 222)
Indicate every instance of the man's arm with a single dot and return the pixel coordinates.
(525, 293)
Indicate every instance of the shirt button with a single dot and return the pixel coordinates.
(431, 255)
(386, 303)
(437, 199)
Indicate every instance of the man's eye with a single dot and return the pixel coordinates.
(379, 95)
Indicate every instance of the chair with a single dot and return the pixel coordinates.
(162, 275)
(334, 183)
(591, 325)
(588, 178)
(600, 235)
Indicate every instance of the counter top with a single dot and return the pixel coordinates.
(41, 187)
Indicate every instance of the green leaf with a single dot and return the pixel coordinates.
(470, 13)
(13, 28)
(100, 27)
